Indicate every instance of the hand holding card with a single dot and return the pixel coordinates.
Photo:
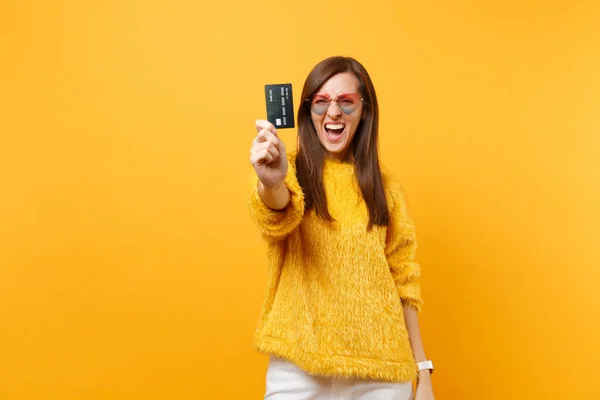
(268, 155)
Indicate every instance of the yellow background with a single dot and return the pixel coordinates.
(129, 268)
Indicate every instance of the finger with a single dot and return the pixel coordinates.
(273, 151)
(281, 146)
(266, 135)
(263, 124)
(269, 136)
(260, 157)
(260, 137)
(269, 146)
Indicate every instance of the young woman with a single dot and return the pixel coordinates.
(339, 318)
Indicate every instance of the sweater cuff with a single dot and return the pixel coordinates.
(277, 223)
(416, 303)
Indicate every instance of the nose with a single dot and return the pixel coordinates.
(333, 110)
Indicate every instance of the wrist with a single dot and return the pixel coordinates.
(273, 187)
(424, 374)
(275, 197)
(424, 379)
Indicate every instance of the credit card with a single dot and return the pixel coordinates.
(280, 107)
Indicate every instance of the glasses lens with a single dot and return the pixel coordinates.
(319, 104)
(348, 104)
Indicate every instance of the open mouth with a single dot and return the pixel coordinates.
(334, 131)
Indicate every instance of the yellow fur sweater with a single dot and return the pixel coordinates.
(335, 291)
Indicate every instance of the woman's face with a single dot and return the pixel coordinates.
(336, 112)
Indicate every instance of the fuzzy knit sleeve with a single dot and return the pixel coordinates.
(277, 224)
(401, 247)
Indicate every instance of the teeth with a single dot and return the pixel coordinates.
(334, 126)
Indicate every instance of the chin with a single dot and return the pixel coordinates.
(335, 150)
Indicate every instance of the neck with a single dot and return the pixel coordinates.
(345, 157)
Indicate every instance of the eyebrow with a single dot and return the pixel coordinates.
(339, 95)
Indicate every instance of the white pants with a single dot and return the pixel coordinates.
(285, 381)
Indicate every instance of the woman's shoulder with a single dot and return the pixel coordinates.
(394, 190)
(390, 181)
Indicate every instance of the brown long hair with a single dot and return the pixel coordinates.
(309, 160)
